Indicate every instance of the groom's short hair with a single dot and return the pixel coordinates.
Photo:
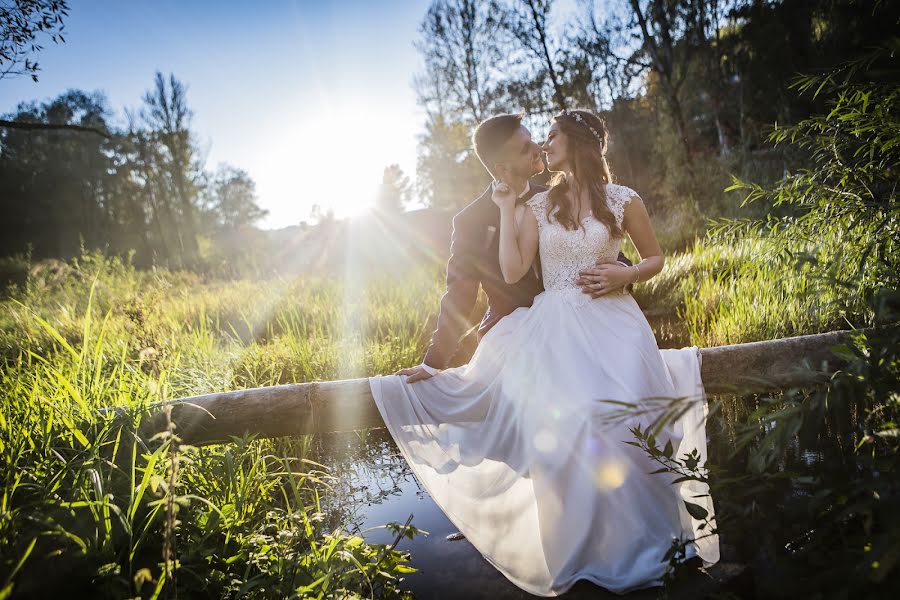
(491, 134)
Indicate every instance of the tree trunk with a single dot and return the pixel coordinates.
(304, 408)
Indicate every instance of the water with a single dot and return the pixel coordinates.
(375, 486)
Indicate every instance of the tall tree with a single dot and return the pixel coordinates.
(461, 45)
(463, 59)
(22, 25)
(171, 165)
(449, 173)
(528, 22)
(659, 22)
(57, 187)
(601, 35)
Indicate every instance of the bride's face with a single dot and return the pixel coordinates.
(557, 149)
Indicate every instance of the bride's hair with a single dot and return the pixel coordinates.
(587, 136)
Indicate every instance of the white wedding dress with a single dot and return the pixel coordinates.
(517, 449)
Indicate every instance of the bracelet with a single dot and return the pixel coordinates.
(638, 278)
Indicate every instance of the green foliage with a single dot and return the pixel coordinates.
(22, 25)
(82, 496)
(142, 190)
(836, 528)
(846, 205)
(832, 253)
(450, 174)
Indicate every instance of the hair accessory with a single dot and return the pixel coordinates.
(577, 116)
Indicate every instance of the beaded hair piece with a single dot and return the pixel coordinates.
(578, 118)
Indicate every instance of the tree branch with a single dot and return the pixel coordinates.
(26, 126)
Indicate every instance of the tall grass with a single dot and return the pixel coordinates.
(110, 515)
(729, 290)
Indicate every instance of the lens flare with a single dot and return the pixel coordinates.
(610, 475)
(545, 441)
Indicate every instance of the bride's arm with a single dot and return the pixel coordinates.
(636, 224)
(518, 240)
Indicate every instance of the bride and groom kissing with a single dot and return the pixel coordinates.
(506, 149)
(518, 447)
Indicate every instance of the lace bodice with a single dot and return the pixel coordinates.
(565, 252)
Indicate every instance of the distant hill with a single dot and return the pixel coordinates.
(371, 241)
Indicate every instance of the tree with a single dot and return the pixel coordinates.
(659, 22)
(170, 168)
(232, 198)
(395, 190)
(450, 174)
(528, 24)
(463, 59)
(60, 189)
(462, 45)
(22, 24)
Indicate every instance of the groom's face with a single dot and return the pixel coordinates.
(520, 157)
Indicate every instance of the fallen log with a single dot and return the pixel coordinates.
(329, 406)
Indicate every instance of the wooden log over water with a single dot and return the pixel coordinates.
(800, 361)
(347, 405)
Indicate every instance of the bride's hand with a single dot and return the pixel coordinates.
(503, 196)
(604, 278)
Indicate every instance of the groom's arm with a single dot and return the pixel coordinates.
(458, 301)
(589, 276)
(625, 262)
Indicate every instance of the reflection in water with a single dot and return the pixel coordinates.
(373, 486)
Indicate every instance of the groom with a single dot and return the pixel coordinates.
(507, 151)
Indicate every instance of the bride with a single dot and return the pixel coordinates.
(518, 447)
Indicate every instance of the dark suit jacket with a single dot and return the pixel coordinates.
(475, 260)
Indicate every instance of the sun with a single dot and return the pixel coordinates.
(343, 169)
(331, 154)
(336, 158)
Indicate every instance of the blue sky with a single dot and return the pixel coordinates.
(313, 99)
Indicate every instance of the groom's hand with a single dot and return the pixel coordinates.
(604, 277)
(414, 374)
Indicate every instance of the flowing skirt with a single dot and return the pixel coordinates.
(521, 450)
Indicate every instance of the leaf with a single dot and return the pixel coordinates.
(8, 587)
(696, 511)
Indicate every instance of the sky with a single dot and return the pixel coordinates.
(312, 98)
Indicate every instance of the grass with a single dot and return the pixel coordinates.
(751, 289)
(112, 516)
